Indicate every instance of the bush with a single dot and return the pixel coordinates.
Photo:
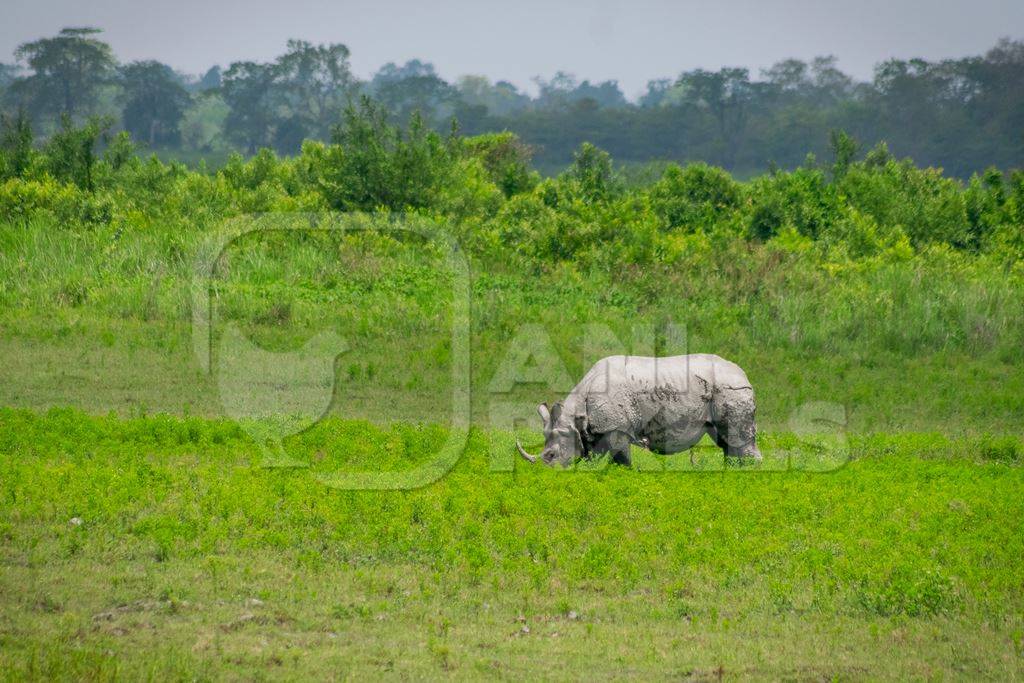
(693, 198)
(856, 235)
(372, 164)
(71, 152)
(875, 209)
(802, 199)
(22, 200)
(506, 160)
(927, 206)
(590, 176)
(15, 145)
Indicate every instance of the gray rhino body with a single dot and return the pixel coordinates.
(663, 404)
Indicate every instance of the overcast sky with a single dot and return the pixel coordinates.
(631, 42)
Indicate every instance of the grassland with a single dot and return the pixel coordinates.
(102, 321)
(876, 309)
(152, 547)
(141, 538)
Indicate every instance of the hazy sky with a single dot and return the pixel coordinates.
(628, 41)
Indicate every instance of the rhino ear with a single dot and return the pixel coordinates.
(545, 415)
(556, 412)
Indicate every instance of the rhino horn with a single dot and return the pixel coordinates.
(522, 452)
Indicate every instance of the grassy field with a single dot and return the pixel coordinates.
(142, 534)
(102, 321)
(152, 547)
(140, 542)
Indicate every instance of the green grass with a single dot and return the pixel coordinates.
(102, 321)
(194, 561)
(191, 562)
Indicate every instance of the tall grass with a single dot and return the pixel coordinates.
(935, 301)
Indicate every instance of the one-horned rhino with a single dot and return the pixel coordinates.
(663, 404)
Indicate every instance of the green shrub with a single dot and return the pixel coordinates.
(929, 207)
(693, 198)
(802, 199)
(22, 200)
(71, 152)
(372, 164)
(15, 145)
(590, 176)
(506, 160)
(482, 189)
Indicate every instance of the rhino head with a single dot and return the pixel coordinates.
(563, 443)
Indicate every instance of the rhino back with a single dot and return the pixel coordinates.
(639, 395)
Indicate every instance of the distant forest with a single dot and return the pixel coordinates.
(963, 115)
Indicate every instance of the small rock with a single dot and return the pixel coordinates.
(255, 602)
(75, 521)
(573, 615)
(525, 630)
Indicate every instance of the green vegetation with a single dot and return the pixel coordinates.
(139, 535)
(961, 114)
(152, 547)
(849, 282)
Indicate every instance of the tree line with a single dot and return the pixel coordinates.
(963, 115)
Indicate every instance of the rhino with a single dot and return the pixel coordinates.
(665, 405)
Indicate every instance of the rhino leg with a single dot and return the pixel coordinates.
(617, 445)
(732, 426)
(622, 457)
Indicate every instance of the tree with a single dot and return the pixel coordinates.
(203, 123)
(563, 90)
(414, 86)
(71, 152)
(556, 93)
(316, 84)
(209, 80)
(373, 163)
(15, 145)
(67, 71)
(501, 99)
(830, 84)
(605, 93)
(789, 75)
(592, 172)
(844, 149)
(247, 88)
(726, 94)
(155, 102)
(300, 94)
(657, 94)
(997, 107)
(8, 74)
